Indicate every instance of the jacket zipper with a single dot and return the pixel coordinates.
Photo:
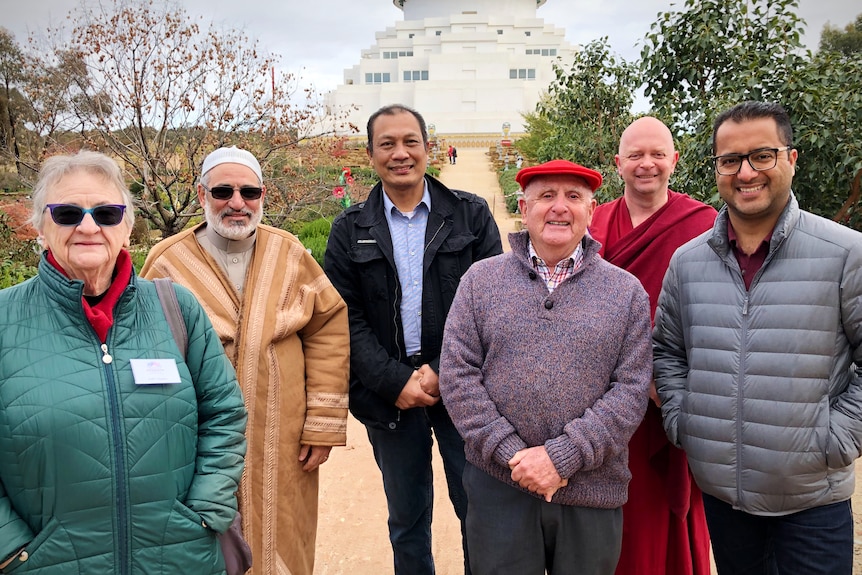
(428, 245)
(123, 535)
(395, 306)
(739, 394)
(727, 258)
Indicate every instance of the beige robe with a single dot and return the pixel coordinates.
(287, 336)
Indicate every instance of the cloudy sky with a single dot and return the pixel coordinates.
(318, 39)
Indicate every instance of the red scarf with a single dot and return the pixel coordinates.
(101, 315)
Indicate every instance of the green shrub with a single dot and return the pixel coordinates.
(314, 235)
(317, 245)
(12, 273)
(20, 258)
(366, 176)
(318, 227)
(139, 256)
(510, 189)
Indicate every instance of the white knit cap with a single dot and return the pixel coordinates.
(232, 155)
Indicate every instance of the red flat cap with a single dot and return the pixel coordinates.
(559, 167)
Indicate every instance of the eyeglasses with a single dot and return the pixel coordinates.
(226, 192)
(759, 160)
(72, 215)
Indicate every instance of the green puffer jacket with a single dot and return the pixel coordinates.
(98, 474)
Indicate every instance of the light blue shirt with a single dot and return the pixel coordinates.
(408, 246)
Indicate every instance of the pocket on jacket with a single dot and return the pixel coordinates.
(453, 259)
(194, 548)
(372, 269)
(457, 243)
(179, 508)
(680, 427)
(834, 455)
(35, 551)
(365, 253)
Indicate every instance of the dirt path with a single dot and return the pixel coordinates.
(352, 537)
(473, 173)
(352, 534)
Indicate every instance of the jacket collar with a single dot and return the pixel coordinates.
(442, 203)
(439, 225)
(67, 293)
(785, 225)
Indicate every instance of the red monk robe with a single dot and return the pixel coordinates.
(664, 528)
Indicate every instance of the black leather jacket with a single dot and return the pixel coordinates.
(360, 264)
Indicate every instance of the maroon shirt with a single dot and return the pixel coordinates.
(749, 265)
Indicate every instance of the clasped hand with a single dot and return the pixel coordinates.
(533, 470)
(421, 390)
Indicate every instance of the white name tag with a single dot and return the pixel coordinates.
(155, 371)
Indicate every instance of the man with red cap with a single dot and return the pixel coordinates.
(545, 370)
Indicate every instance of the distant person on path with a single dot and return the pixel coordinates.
(451, 158)
(284, 327)
(545, 369)
(758, 360)
(454, 155)
(664, 528)
(397, 259)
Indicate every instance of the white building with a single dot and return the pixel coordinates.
(468, 66)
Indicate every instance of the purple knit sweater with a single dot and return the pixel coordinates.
(568, 370)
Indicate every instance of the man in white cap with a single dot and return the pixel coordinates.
(285, 330)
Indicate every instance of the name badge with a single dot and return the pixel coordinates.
(155, 371)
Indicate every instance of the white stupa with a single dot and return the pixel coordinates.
(468, 66)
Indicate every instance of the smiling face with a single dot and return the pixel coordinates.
(399, 154)
(751, 196)
(236, 218)
(556, 210)
(87, 251)
(646, 157)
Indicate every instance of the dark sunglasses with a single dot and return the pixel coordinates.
(71, 215)
(226, 192)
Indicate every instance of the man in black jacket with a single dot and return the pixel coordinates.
(397, 259)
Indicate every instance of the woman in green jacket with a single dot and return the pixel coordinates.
(118, 453)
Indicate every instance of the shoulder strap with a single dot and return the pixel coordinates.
(171, 308)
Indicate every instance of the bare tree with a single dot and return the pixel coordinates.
(160, 91)
(55, 80)
(11, 74)
(39, 85)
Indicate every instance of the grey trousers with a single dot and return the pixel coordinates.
(510, 532)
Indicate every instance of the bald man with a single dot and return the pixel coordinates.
(664, 529)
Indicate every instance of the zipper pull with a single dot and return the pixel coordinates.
(106, 357)
(745, 307)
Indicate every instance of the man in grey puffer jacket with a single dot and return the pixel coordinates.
(758, 360)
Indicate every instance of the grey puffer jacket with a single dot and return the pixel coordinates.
(763, 387)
